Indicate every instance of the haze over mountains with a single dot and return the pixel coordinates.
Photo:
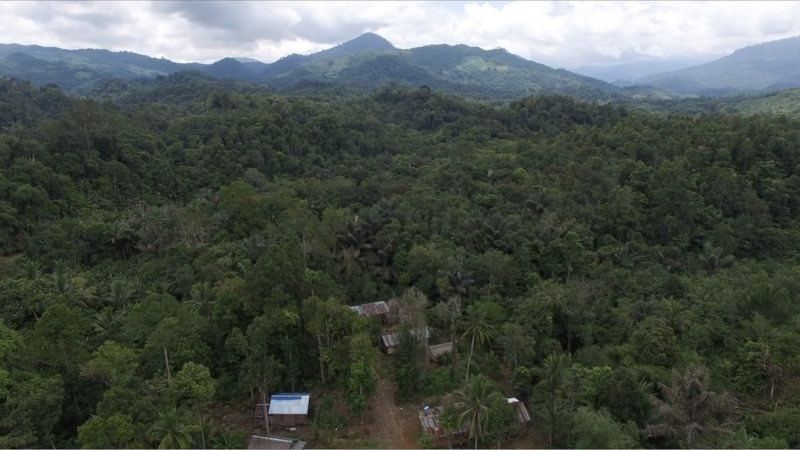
(769, 66)
(370, 61)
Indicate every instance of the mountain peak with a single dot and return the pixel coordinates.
(370, 41)
(366, 42)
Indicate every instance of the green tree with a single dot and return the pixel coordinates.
(407, 371)
(597, 429)
(58, 341)
(170, 432)
(553, 381)
(111, 363)
(31, 411)
(116, 431)
(472, 405)
(689, 412)
(478, 328)
(362, 378)
(654, 342)
(194, 386)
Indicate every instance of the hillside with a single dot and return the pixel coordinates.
(764, 67)
(361, 64)
(781, 103)
(172, 253)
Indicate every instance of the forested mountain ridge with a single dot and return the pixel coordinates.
(362, 64)
(770, 66)
(608, 264)
(775, 104)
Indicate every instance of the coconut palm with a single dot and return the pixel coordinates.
(121, 293)
(472, 406)
(170, 432)
(689, 410)
(202, 298)
(478, 329)
(553, 379)
(105, 323)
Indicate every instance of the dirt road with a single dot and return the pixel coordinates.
(396, 426)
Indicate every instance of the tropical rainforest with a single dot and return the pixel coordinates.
(179, 248)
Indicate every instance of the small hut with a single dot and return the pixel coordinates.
(429, 419)
(274, 443)
(521, 411)
(289, 410)
(377, 310)
(437, 351)
(390, 340)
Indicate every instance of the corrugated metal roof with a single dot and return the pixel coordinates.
(440, 349)
(522, 412)
(393, 339)
(289, 404)
(371, 309)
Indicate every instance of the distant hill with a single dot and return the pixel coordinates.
(364, 63)
(782, 103)
(78, 70)
(624, 74)
(759, 68)
(370, 61)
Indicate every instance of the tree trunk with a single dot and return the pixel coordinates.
(469, 360)
(166, 365)
(321, 364)
(202, 433)
(266, 412)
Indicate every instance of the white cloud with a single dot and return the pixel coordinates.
(555, 33)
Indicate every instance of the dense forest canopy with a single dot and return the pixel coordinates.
(181, 246)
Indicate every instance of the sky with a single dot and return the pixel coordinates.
(560, 34)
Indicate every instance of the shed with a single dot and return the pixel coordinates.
(274, 442)
(437, 351)
(429, 419)
(379, 310)
(374, 309)
(390, 340)
(520, 409)
(289, 409)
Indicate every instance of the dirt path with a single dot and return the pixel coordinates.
(394, 425)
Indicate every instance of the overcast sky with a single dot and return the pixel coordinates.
(560, 34)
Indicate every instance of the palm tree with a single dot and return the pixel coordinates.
(121, 293)
(202, 297)
(690, 410)
(106, 323)
(479, 329)
(121, 237)
(553, 377)
(31, 268)
(170, 432)
(472, 405)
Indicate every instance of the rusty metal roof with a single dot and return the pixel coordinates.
(371, 309)
(392, 339)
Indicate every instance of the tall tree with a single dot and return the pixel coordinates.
(472, 405)
(689, 411)
(170, 432)
(478, 329)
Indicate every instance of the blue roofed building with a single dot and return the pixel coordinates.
(289, 409)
